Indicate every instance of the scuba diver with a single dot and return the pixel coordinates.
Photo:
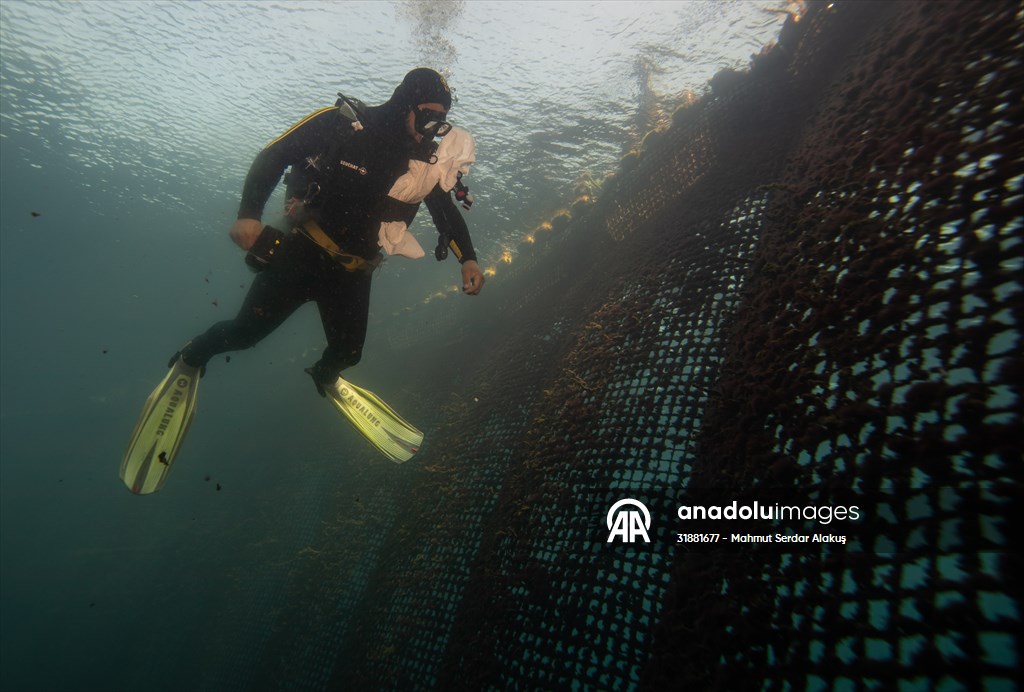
(358, 175)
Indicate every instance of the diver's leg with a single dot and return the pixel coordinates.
(344, 311)
(274, 295)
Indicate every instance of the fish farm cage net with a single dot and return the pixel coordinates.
(812, 281)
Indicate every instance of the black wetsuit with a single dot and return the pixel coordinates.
(345, 174)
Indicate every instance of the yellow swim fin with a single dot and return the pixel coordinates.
(161, 430)
(376, 421)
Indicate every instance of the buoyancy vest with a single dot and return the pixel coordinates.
(306, 183)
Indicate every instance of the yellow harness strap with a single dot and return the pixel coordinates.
(311, 229)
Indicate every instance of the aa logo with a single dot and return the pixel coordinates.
(628, 520)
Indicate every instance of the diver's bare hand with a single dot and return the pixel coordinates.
(245, 232)
(472, 277)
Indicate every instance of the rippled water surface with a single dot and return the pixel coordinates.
(166, 103)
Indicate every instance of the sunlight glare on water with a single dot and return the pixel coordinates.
(167, 102)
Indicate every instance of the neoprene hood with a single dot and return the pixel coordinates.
(423, 85)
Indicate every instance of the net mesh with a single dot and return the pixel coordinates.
(814, 277)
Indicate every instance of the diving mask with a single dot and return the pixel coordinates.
(431, 123)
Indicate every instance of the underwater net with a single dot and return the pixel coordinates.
(811, 282)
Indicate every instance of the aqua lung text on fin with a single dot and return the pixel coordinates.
(359, 407)
(172, 405)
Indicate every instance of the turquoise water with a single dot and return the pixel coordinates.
(126, 129)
